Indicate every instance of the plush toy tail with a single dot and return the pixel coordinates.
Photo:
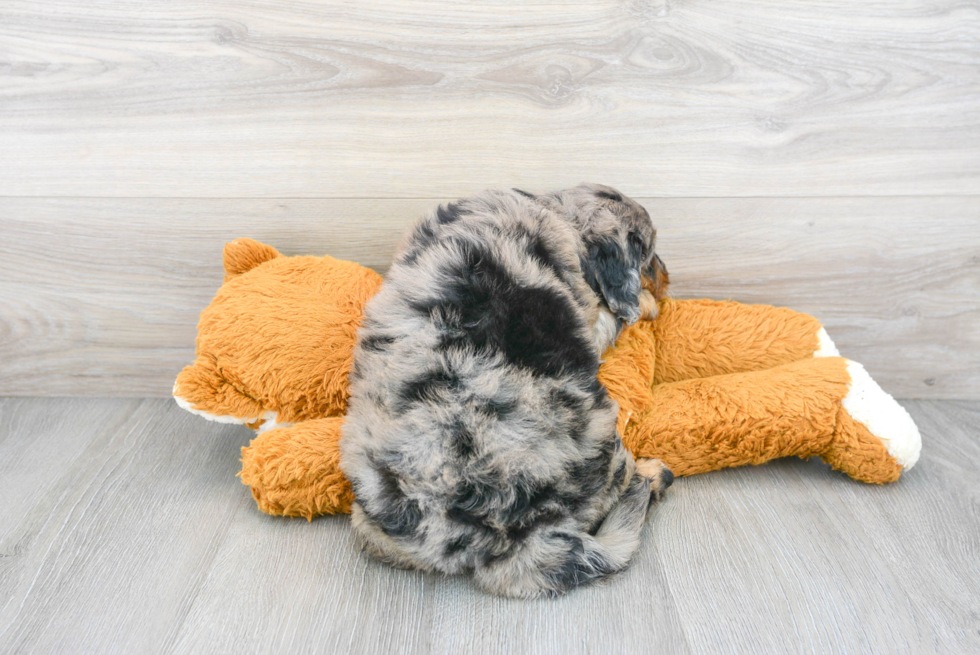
(242, 255)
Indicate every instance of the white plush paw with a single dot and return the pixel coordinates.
(270, 423)
(868, 404)
(269, 417)
(825, 345)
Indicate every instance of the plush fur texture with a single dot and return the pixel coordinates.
(279, 345)
(703, 338)
(296, 471)
(278, 339)
(478, 437)
(789, 410)
(738, 384)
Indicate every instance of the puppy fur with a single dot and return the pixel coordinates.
(478, 437)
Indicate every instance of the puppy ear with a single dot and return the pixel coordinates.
(657, 279)
(609, 272)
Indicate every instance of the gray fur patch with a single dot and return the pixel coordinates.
(477, 436)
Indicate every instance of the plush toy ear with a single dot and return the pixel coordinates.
(242, 255)
(610, 273)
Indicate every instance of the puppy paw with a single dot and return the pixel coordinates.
(658, 474)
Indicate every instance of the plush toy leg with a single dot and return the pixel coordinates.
(701, 338)
(867, 408)
(814, 407)
(202, 390)
(295, 471)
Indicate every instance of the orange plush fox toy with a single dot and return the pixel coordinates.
(708, 385)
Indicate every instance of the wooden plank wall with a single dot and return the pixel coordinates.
(823, 155)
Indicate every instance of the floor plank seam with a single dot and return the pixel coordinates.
(170, 642)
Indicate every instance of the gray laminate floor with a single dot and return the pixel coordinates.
(123, 529)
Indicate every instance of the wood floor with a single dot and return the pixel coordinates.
(123, 529)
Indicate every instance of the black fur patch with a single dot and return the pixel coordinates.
(497, 409)
(529, 499)
(578, 427)
(376, 342)
(422, 239)
(537, 249)
(600, 397)
(448, 214)
(586, 478)
(457, 545)
(427, 387)
(451, 340)
(540, 253)
(461, 440)
(472, 503)
(575, 422)
(524, 193)
(519, 531)
(535, 328)
(576, 567)
(516, 508)
(396, 514)
(619, 476)
(609, 196)
(567, 399)
(537, 332)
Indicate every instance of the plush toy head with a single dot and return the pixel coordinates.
(708, 385)
(276, 343)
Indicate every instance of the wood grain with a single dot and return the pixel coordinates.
(133, 535)
(941, 494)
(793, 556)
(106, 554)
(38, 445)
(322, 594)
(266, 98)
(101, 296)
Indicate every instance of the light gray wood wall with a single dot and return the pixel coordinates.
(819, 155)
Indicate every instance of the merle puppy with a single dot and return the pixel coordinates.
(478, 438)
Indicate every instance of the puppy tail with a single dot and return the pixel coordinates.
(558, 558)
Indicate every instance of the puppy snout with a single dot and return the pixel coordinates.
(668, 477)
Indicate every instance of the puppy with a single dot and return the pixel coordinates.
(478, 437)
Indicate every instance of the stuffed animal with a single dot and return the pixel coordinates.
(707, 385)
